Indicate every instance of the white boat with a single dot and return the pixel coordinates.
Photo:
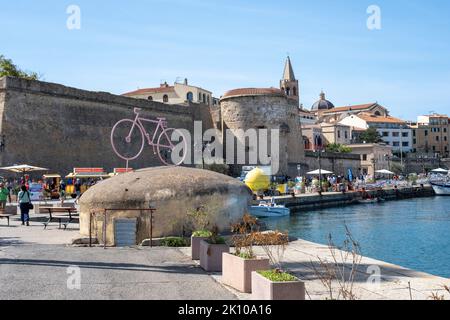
(368, 201)
(269, 210)
(441, 188)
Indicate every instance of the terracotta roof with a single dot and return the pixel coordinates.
(150, 91)
(348, 108)
(254, 92)
(379, 119)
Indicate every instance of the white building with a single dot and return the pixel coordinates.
(179, 93)
(394, 132)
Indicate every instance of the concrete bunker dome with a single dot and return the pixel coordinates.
(173, 191)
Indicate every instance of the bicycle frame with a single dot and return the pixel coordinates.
(138, 121)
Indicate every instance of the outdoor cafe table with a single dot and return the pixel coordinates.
(52, 210)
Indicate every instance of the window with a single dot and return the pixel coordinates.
(414, 141)
(405, 134)
(434, 148)
(396, 134)
(208, 100)
(437, 138)
(295, 91)
(445, 138)
(385, 134)
(414, 133)
(199, 97)
(288, 91)
(396, 144)
(346, 134)
(377, 113)
(190, 96)
(364, 157)
(405, 144)
(150, 98)
(339, 134)
(445, 130)
(426, 133)
(204, 98)
(165, 98)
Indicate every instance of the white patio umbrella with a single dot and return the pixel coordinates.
(439, 170)
(319, 172)
(23, 168)
(384, 171)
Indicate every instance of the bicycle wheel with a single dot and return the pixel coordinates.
(172, 152)
(127, 139)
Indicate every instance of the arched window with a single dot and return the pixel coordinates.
(204, 98)
(288, 91)
(150, 98)
(165, 98)
(190, 96)
(208, 100)
(378, 113)
(295, 91)
(199, 97)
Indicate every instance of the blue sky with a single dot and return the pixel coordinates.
(221, 45)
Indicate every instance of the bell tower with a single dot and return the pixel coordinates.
(289, 84)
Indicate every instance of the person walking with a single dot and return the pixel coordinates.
(62, 191)
(78, 190)
(25, 205)
(4, 193)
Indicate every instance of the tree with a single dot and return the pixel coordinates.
(338, 148)
(8, 68)
(371, 135)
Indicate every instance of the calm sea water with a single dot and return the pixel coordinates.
(411, 233)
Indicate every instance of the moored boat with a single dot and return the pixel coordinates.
(269, 210)
(441, 188)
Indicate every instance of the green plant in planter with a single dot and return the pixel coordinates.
(202, 234)
(243, 238)
(173, 242)
(215, 238)
(277, 275)
(199, 218)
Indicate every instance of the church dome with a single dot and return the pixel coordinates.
(322, 103)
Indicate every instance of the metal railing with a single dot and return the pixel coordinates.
(105, 212)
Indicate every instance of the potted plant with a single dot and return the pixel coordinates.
(211, 251)
(275, 284)
(199, 218)
(238, 267)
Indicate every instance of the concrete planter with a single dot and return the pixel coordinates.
(211, 256)
(195, 247)
(264, 289)
(237, 272)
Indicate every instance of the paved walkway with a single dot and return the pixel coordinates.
(34, 265)
(34, 262)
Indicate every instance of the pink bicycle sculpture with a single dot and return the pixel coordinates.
(128, 139)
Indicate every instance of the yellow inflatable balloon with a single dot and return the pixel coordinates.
(257, 180)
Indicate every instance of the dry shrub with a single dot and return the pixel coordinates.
(274, 244)
(341, 270)
(244, 234)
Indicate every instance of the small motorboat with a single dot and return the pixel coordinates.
(442, 188)
(369, 201)
(269, 210)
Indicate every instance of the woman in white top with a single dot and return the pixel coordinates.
(24, 203)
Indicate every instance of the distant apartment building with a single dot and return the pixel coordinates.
(179, 93)
(374, 157)
(431, 135)
(394, 132)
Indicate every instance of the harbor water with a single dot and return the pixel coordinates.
(413, 233)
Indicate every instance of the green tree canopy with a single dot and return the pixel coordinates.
(8, 68)
(371, 135)
(338, 148)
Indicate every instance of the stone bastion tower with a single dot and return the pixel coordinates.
(266, 108)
